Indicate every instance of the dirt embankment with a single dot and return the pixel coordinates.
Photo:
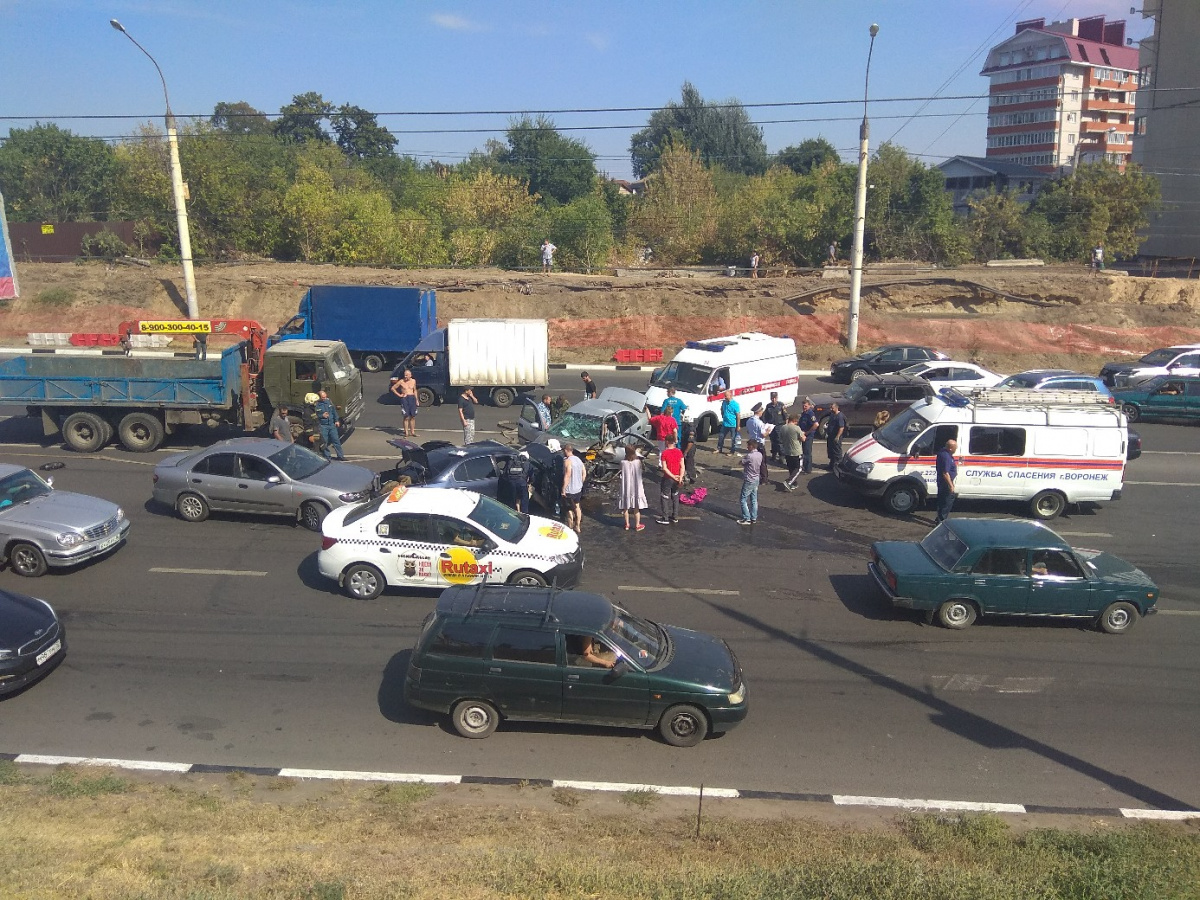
(1004, 318)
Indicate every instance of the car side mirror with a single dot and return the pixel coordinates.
(50, 481)
(381, 530)
(274, 479)
(621, 667)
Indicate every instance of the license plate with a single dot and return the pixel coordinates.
(49, 652)
(108, 542)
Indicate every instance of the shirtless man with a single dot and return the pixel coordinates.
(406, 390)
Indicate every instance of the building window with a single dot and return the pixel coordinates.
(1139, 125)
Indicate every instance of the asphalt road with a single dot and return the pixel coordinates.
(220, 643)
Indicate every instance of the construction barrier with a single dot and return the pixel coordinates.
(638, 356)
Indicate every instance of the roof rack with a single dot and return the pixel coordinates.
(502, 595)
(1009, 397)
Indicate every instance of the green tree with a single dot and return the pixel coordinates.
(721, 133)
(488, 218)
(360, 135)
(1001, 227)
(583, 232)
(240, 118)
(1098, 203)
(554, 166)
(301, 120)
(677, 216)
(909, 212)
(811, 154)
(49, 174)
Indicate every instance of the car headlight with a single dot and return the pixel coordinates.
(5, 653)
(355, 496)
(69, 538)
(738, 696)
(120, 514)
(864, 469)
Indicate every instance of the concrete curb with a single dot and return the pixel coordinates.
(609, 786)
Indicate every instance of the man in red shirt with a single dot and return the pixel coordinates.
(671, 463)
(662, 426)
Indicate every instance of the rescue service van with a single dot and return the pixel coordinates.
(1048, 448)
(750, 364)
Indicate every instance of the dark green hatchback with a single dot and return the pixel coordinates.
(970, 567)
(493, 652)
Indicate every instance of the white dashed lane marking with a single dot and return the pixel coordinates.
(675, 590)
(1004, 685)
(239, 572)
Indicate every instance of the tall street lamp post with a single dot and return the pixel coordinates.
(185, 235)
(860, 211)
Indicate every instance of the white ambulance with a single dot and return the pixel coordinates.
(1048, 448)
(750, 364)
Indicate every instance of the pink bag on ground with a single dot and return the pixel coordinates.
(693, 497)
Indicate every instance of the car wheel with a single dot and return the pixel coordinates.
(426, 397)
(475, 719)
(1118, 617)
(85, 432)
(363, 581)
(141, 432)
(703, 429)
(823, 427)
(1132, 413)
(956, 614)
(27, 560)
(902, 499)
(372, 362)
(1047, 505)
(503, 397)
(859, 373)
(312, 514)
(527, 578)
(191, 507)
(683, 726)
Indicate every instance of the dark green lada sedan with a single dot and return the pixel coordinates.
(493, 652)
(970, 567)
(1164, 397)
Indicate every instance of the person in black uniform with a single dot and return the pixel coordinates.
(808, 427)
(687, 443)
(774, 414)
(833, 435)
(516, 481)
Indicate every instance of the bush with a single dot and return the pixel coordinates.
(104, 245)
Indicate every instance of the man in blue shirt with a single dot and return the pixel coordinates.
(730, 420)
(834, 430)
(674, 407)
(543, 412)
(947, 473)
(754, 425)
(327, 417)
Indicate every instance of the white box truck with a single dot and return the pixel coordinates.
(497, 358)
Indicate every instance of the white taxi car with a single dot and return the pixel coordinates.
(433, 538)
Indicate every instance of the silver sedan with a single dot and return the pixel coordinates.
(260, 476)
(43, 528)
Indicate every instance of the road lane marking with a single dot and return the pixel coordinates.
(1171, 452)
(965, 806)
(1162, 814)
(666, 790)
(675, 590)
(1166, 483)
(245, 572)
(370, 776)
(1004, 685)
(1103, 534)
(1178, 612)
(139, 765)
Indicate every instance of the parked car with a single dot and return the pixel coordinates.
(962, 376)
(1053, 380)
(47, 529)
(1163, 397)
(970, 567)
(473, 467)
(260, 476)
(32, 641)
(590, 422)
(870, 395)
(421, 537)
(1182, 359)
(492, 653)
(883, 361)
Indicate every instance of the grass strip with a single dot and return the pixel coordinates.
(76, 833)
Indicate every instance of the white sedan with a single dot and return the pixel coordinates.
(433, 538)
(947, 373)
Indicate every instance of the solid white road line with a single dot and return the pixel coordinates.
(140, 765)
(1174, 815)
(674, 590)
(1178, 612)
(666, 790)
(962, 805)
(1166, 483)
(243, 572)
(1099, 534)
(369, 776)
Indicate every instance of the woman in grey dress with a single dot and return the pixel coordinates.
(633, 494)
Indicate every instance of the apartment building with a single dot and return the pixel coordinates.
(1167, 126)
(1062, 94)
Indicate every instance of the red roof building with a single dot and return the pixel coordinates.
(1062, 94)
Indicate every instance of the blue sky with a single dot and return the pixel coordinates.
(62, 61)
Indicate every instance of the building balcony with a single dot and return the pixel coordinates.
(1092, 105)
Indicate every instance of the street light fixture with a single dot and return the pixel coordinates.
(185, 236)
(860, 211)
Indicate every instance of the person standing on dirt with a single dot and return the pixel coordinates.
(833, 253)
(281, 427)
(834, 429)
(1098, 258)
(406, 390)
(754, 259)
(547, 255)
(589, 386)
(466, 414)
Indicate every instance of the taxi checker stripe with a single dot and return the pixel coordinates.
(755, 388)
(412, 545)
